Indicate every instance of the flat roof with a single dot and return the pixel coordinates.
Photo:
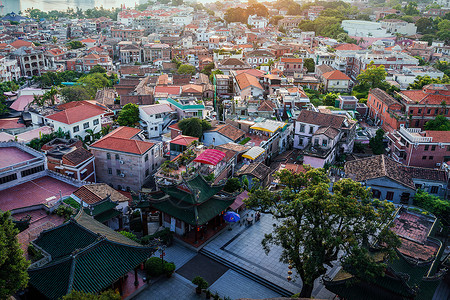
(34, 192)
(12, 155)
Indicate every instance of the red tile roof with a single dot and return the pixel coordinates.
(120, 140)
(21, 43)
(348, 47)
(77, 114)
(335, 75)
(10, 123)
(439, 136)
(171, 90)
(291, 60)
(183, 140)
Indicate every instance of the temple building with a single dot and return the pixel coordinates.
(85, 255)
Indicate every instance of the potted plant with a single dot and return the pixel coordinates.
(201, 284)
(208, 294)
(169, 268)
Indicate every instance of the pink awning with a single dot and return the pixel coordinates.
(210, 157)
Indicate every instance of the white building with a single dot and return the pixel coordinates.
(361, 28)
(257, 21)
(399, 26)
(156, 118)
(182, 20)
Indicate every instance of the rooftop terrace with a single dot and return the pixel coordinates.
(11, 156)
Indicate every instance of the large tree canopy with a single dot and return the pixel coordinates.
(314, 225)
(13, 265)
(193, 126)
(129, 115)
(440, 123)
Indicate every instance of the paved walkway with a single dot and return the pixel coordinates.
(242, 246)
(230, 284)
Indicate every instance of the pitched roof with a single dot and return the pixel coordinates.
(267, 105)
(291, 60)
(229, 131)
(124, 132)
(347, 47)
(376, 167)
(156, 109)
(183, 140)
(123, 145)
(210, 157)
(232, 62)
(335, 75)
(76, 114)
(431, 94)
(383, 96)
(77, 156)
(171, 90)
(258, 170)
(192, 88)
(318, 118)
(93, 193)
(84, 258)
(438, 136)
(245, 80)
(328, 131)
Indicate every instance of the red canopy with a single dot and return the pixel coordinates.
(210, 157)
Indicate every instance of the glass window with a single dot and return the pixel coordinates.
(86, 125)
(424, 157)
(433, 148)
(390, 196)
(427, 147)
(117, 157)
(146, 157)
(311, 128)
(109, 171)
(76, 128)
(420, 110)
(95, 122)
(118, 172)
(324, 143)
(434, 189)
(108, 155)
(302, 128)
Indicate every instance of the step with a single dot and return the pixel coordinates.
(264, 282)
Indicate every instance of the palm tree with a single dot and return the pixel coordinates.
(91, 135)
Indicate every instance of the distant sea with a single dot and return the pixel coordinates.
(47, 5)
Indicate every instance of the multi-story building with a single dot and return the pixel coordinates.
(386, 111)
(424, 105)
(259, 57)
(130, 54)
(289, 66)
(9, 69)
(156, 51)
(322, 137)
(336, 81)
(399, 26)
(224, 84)
(124, 160)
(188, 107)
(414, 147)
(156, 118)
(257, 21)
(408, 75)
(30, 61)
(129, 34)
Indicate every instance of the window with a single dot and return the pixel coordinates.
(108, 155)
(390, 196)
(109, 171)
(376, 193)
(117, 157)
(427, 147)
(417, 123)
(118, 172)
(146, 157)
(436, 111)
(95, 122)
(311, 128)
(424, 157)
(324, 143)
(316, 142)
(32, 170)
(76, 128)
(302, 128)
(420, 111)
(85, 125)
(8, 178)
(146, 173)
(430, 157)
(429, 111)
(433, 148)
(411, 111)
(434, 189)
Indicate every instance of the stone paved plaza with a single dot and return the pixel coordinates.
(241, 246)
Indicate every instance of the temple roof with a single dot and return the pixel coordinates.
(82, 259)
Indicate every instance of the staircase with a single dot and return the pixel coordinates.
(264, 282)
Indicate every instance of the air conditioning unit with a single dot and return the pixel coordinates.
(121, 162)
(122, 175)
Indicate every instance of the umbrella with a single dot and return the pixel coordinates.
(231, 217)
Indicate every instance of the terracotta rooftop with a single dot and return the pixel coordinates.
(77, 156)
(13, 155)
(183, 140)
(124, 132)
(348, 47)
(327, 131)
(245, 80)
(234, 147)
(258, 170)
(77, 114)
(383, 96)
(10, 123)
(37, 191)
(335, 75)
(123, 145)
(317, 118)
(93, 193)
(229, 131)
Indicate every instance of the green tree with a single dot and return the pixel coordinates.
(75, 44)
(97, 69)
(258, 9)
(213, 73)
(208, 68)
(233, 184)
(422, 81)
(410, 9)
(437, 206)
(186, 69)
(440, 123)
(94, 82)
(106, 295)
(314, 225)
(237, 14)
(372, 76)
(129, 115)
(194, 126)
(330, 99)
(275, 19)
(376, 142)
(74, 93)
(13, 265)
(309, 64)
(425, 25)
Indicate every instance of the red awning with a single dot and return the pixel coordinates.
(210, 157)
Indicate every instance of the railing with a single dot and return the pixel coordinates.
(408, 134)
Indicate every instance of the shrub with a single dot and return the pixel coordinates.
(164, 235)
(64, 211)
(34, 253)
(169, 267)
(129, 235)
(154, 266)
(200, 282)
